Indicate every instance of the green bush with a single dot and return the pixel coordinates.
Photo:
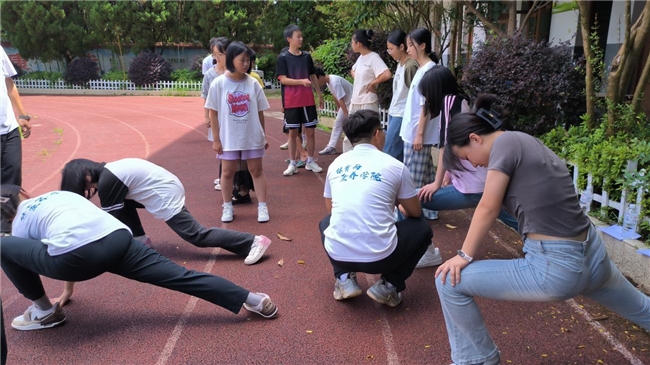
(266, 62)
(332, 57)
(43, 75)
(185, 75)
(115, 75)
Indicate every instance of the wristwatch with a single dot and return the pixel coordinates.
(465, 256)
(25, 117)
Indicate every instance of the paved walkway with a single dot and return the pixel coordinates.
(115, 321)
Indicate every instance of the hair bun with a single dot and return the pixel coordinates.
(369, 33)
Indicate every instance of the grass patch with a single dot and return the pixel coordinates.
(272, 93)
(324, 128)
(58, 131)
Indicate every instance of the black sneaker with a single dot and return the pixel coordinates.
(241, 199)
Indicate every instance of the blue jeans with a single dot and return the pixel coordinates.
(448, 198)
(550, 271)
(394, 145)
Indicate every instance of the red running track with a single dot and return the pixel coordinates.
(115, 321)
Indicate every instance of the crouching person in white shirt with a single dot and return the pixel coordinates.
(63, 236)
(360, 234)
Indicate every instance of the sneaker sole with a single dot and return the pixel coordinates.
(37, 326)
(293, 173)
(263, 220)
(355, 293)
(429, 264)
(269, 316)
(382, 301)
(308, 169)
(228, 221)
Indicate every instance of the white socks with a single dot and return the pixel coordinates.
(254, 300)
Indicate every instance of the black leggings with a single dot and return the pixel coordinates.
(23, 260)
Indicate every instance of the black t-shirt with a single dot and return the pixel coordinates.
(297, 68)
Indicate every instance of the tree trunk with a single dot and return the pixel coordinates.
(584, 6)
(459, 42)
(512, 18)
(451, 64)
(624, 63)
(640, 87)
(486, 23)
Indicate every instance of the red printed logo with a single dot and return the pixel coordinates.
(239, 103)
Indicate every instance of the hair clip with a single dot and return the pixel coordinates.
(4, 200)
(491, 117)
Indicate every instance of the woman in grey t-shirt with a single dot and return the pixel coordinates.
(564, 255)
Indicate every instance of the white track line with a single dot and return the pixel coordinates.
(386, 332)
(595, 325)
(180, 325)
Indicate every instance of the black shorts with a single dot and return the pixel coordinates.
(305, 116)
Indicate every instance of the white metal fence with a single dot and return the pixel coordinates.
(330, 111)
(121, 85)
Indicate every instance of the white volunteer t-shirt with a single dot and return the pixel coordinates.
(207, 63)
(8, 120)
(400, 92)
(64, 221)
(341, 89)
(160, 191)
(364, 185)
(414, 104)
(366, 69)
(238, 104)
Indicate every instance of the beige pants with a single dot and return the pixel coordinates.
(347, 146)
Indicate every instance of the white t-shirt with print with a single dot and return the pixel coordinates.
(64, 221)
(8, 120)
(364, 185)
(400, 93)
(237, 104)
(160, 191)
(366, 69)
(341, 89)
(414, 104)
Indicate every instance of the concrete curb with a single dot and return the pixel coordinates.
(23, 91)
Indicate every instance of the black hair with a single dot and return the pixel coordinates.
(361, 125)
(464, 124)
(289, 30)
(363, 36)
(234, 49)
(8, 206)
(318, 71)
(73, 176)
(423, 36)
(221, 43)
(435, 84)
(252, 56)
(397, 38)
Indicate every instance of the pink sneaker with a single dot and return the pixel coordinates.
(260, 244)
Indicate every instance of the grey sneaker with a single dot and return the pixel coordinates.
(430, 258)
(380, 293)
(328, 151)
(29, 322)
(266, 309)
(348, 288)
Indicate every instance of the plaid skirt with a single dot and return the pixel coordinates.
(420, 164)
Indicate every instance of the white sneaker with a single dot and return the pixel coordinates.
(284, 146)
(313, 166)
(217, 184)
(228, 213)
(292, 169)
(262, 213)
(260, 244)
(430, 258)
(429, 214)
(217, 181)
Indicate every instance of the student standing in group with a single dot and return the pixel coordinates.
(131, 183)
(236, 102)
(218, 48)
(368, 72)
(63, 236)
(406, 69)
(295, 70)
(420, 130)
(564, 254)
(341, 90)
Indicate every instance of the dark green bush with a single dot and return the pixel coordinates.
(115, 75)
(266, 61)
(81, 70)
(197, 63)
(185, 75)
(148, 68)
(539, 84)
(43, 75)
(332, 56)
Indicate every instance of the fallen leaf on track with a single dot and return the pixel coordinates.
(281, 262)
(283, 237)
(450, 226)
(300, 262)
(601, 317)
(370, 357)
(309, 331)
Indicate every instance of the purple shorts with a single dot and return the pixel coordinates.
(241, 155)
